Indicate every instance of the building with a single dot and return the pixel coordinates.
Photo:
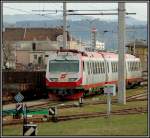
(32, 46)
(139, 49)
(100, 45)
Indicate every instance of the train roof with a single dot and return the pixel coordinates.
(96, 54)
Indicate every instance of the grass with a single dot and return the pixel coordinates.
(116, 125)
(100, 108)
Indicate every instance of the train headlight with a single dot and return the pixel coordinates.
(72, 79)
(54, 79)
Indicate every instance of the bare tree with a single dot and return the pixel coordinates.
(8, 53)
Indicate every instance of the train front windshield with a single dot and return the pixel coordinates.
(64, 66)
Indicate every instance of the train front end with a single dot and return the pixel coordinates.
(64, 76)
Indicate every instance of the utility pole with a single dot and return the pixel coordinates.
(64, 26)
(121, 54)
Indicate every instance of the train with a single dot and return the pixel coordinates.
(71, 74)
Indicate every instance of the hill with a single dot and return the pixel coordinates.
(80, 27)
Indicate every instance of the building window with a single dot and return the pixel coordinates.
(35, 56)
(33, 46)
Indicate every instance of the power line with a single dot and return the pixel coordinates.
(26, 11)
(72, 10)
(98, 13)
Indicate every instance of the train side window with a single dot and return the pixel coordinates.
(104, 67)
(87, 67)
(90, 67)
(134, 66)
(100, 67)
(112, 66)
(107, 67)
(93, 67)
(83, 66)
(117, 66)
(131, 66)
(113, 70)
(96, 67)
(128, 66)
(137, 66)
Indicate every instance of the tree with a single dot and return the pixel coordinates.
(8, 53)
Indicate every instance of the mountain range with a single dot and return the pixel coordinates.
(80, 27)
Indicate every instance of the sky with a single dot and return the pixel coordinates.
(139, 8)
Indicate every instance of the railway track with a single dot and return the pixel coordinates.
(38, 119)
(137, 97)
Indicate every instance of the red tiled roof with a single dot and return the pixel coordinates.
(30, 34)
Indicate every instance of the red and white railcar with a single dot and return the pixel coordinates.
(71, 74)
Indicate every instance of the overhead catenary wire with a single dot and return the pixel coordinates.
(43, 15)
